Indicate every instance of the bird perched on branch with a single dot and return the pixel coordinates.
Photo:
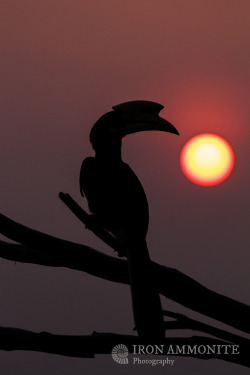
(117, 199)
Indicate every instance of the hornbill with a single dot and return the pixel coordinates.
(116, 198)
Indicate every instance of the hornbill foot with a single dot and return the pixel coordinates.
(121, 253)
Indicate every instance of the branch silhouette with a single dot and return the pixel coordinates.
(184, 322)
(102, 343)
(39, 248)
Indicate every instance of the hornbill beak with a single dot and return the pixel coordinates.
(140, 116)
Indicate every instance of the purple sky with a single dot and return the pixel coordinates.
(63, 64)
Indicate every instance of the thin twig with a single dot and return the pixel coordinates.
(184, 322)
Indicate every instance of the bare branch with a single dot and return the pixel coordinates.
(24, 254)
(103, 343)
(40, 248)
(171, 283)
(100, 232)
(178, 283)
(184, 322)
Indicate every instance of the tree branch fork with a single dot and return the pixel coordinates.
(39, 248)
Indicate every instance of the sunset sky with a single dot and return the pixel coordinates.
(63, 64)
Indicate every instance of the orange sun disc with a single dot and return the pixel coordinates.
(207, 159)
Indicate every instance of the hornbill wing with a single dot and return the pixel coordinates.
(116, 196)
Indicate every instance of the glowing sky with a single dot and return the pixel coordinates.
(63, 64)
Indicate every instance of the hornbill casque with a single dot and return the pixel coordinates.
(116, 198)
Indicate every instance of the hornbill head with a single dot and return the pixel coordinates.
(127, 118)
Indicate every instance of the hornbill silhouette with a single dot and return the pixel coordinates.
(117, 199)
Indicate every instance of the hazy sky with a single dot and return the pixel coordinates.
(63, 64)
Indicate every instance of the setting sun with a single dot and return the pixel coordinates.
(207, 159)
